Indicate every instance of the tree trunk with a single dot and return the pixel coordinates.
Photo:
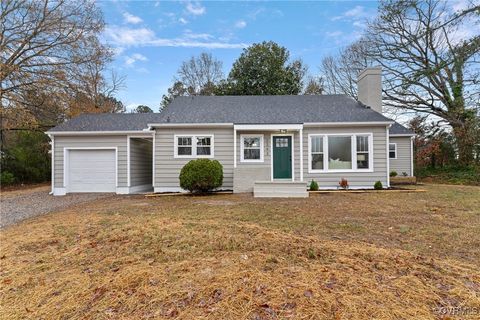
(465, 142)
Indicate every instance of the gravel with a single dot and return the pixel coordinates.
(20, 205)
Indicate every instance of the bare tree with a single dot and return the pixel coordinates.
(315, 86)
(49, 48)
(430, 62)
(200, 74)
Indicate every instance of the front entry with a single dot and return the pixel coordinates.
(282, 157)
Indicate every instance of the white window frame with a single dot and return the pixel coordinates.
(353, 137)
(242, 147)
(395, 150)
(194, 146)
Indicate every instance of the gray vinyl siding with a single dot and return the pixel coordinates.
(403, 162)
(140, 162)
(167, 167)
(355, 179)
(246, 173)
(62, 142)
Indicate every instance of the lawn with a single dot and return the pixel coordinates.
(332, 256)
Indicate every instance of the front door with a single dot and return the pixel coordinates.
(282, 157)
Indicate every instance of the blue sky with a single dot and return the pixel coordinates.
(152, 38)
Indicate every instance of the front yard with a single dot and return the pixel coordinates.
(333, 256)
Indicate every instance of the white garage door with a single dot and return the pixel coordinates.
(91, 171)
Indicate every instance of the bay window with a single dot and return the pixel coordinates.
(193, 146)
(340, 152)
(251, 148)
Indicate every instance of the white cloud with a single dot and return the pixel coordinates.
(334, 34)
(130, 18)
(355, 14)
(240, 24)
(127, 37)
(130, 60)
(195, 8)
(183, 21)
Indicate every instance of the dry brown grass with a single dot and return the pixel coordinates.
(338, 256)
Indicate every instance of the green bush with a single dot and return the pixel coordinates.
(393, 173)
(313, 186)
(378, 185)
(201, 175)
(7, 178)
(404, 174)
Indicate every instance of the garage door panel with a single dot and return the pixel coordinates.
(91, 171)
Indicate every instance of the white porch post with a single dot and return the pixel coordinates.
(234, 148)
(301, 154)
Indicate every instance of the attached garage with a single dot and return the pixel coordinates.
(90, 170)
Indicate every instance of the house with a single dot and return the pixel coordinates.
(273, 145)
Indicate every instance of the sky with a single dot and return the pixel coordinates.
(152, 38)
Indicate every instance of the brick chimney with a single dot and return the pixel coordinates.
(370, 88)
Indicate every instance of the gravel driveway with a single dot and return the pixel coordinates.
(20, 205)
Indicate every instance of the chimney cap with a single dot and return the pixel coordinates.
(370, 71)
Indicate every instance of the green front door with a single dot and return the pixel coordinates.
(282, 157)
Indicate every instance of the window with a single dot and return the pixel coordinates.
(316, 144)
(392, 151)
(362, 152)
(200, 146)
(251, 148)
(340, 152)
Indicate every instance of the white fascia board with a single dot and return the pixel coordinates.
(194, 125)
(268, 127)
(349, 124)
(403, 135)
(92, 133)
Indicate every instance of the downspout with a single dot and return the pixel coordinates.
(52, 162)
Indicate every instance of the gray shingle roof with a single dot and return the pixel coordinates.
(268, 109)
(235, 109)
(397, 128)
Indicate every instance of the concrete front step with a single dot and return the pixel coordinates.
(280, 189)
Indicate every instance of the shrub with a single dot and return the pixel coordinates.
(7, 178)
(201, 175)
(313, 186)
(393, 173)
(343, 184)
(378, 185)
(404, 174)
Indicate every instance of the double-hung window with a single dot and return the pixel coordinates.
(251, 148)
(340, 152)
(392, 150)
(193, 146)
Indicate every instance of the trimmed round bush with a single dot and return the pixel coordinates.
(393, 173)
(378, 185)
(313, 186)
(201, 175)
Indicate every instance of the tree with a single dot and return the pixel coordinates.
(431, 66)
(142, 109)
(264, 69)
(314, 86)
(200, 74)
(49, 50)
(178, 89)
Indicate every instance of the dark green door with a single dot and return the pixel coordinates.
(282, 157)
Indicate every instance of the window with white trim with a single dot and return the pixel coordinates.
(193, 146)
(340, 152)
(392, 150)
(251, 148)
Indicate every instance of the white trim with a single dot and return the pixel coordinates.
(82, 133)
(292, 153)
(194, 146)
(65, 161)
(266, 127)
(59, 191)
(242, 146)
(411, 156)
(174, 125)
(394, 143)
(350, 124)
(353, 137)
(234, 147)
(301, 154)
(387, 138)
(53, 164)
(140, 188)
(168, 189)
(128, 161)
(153, 159)
(403, 135)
